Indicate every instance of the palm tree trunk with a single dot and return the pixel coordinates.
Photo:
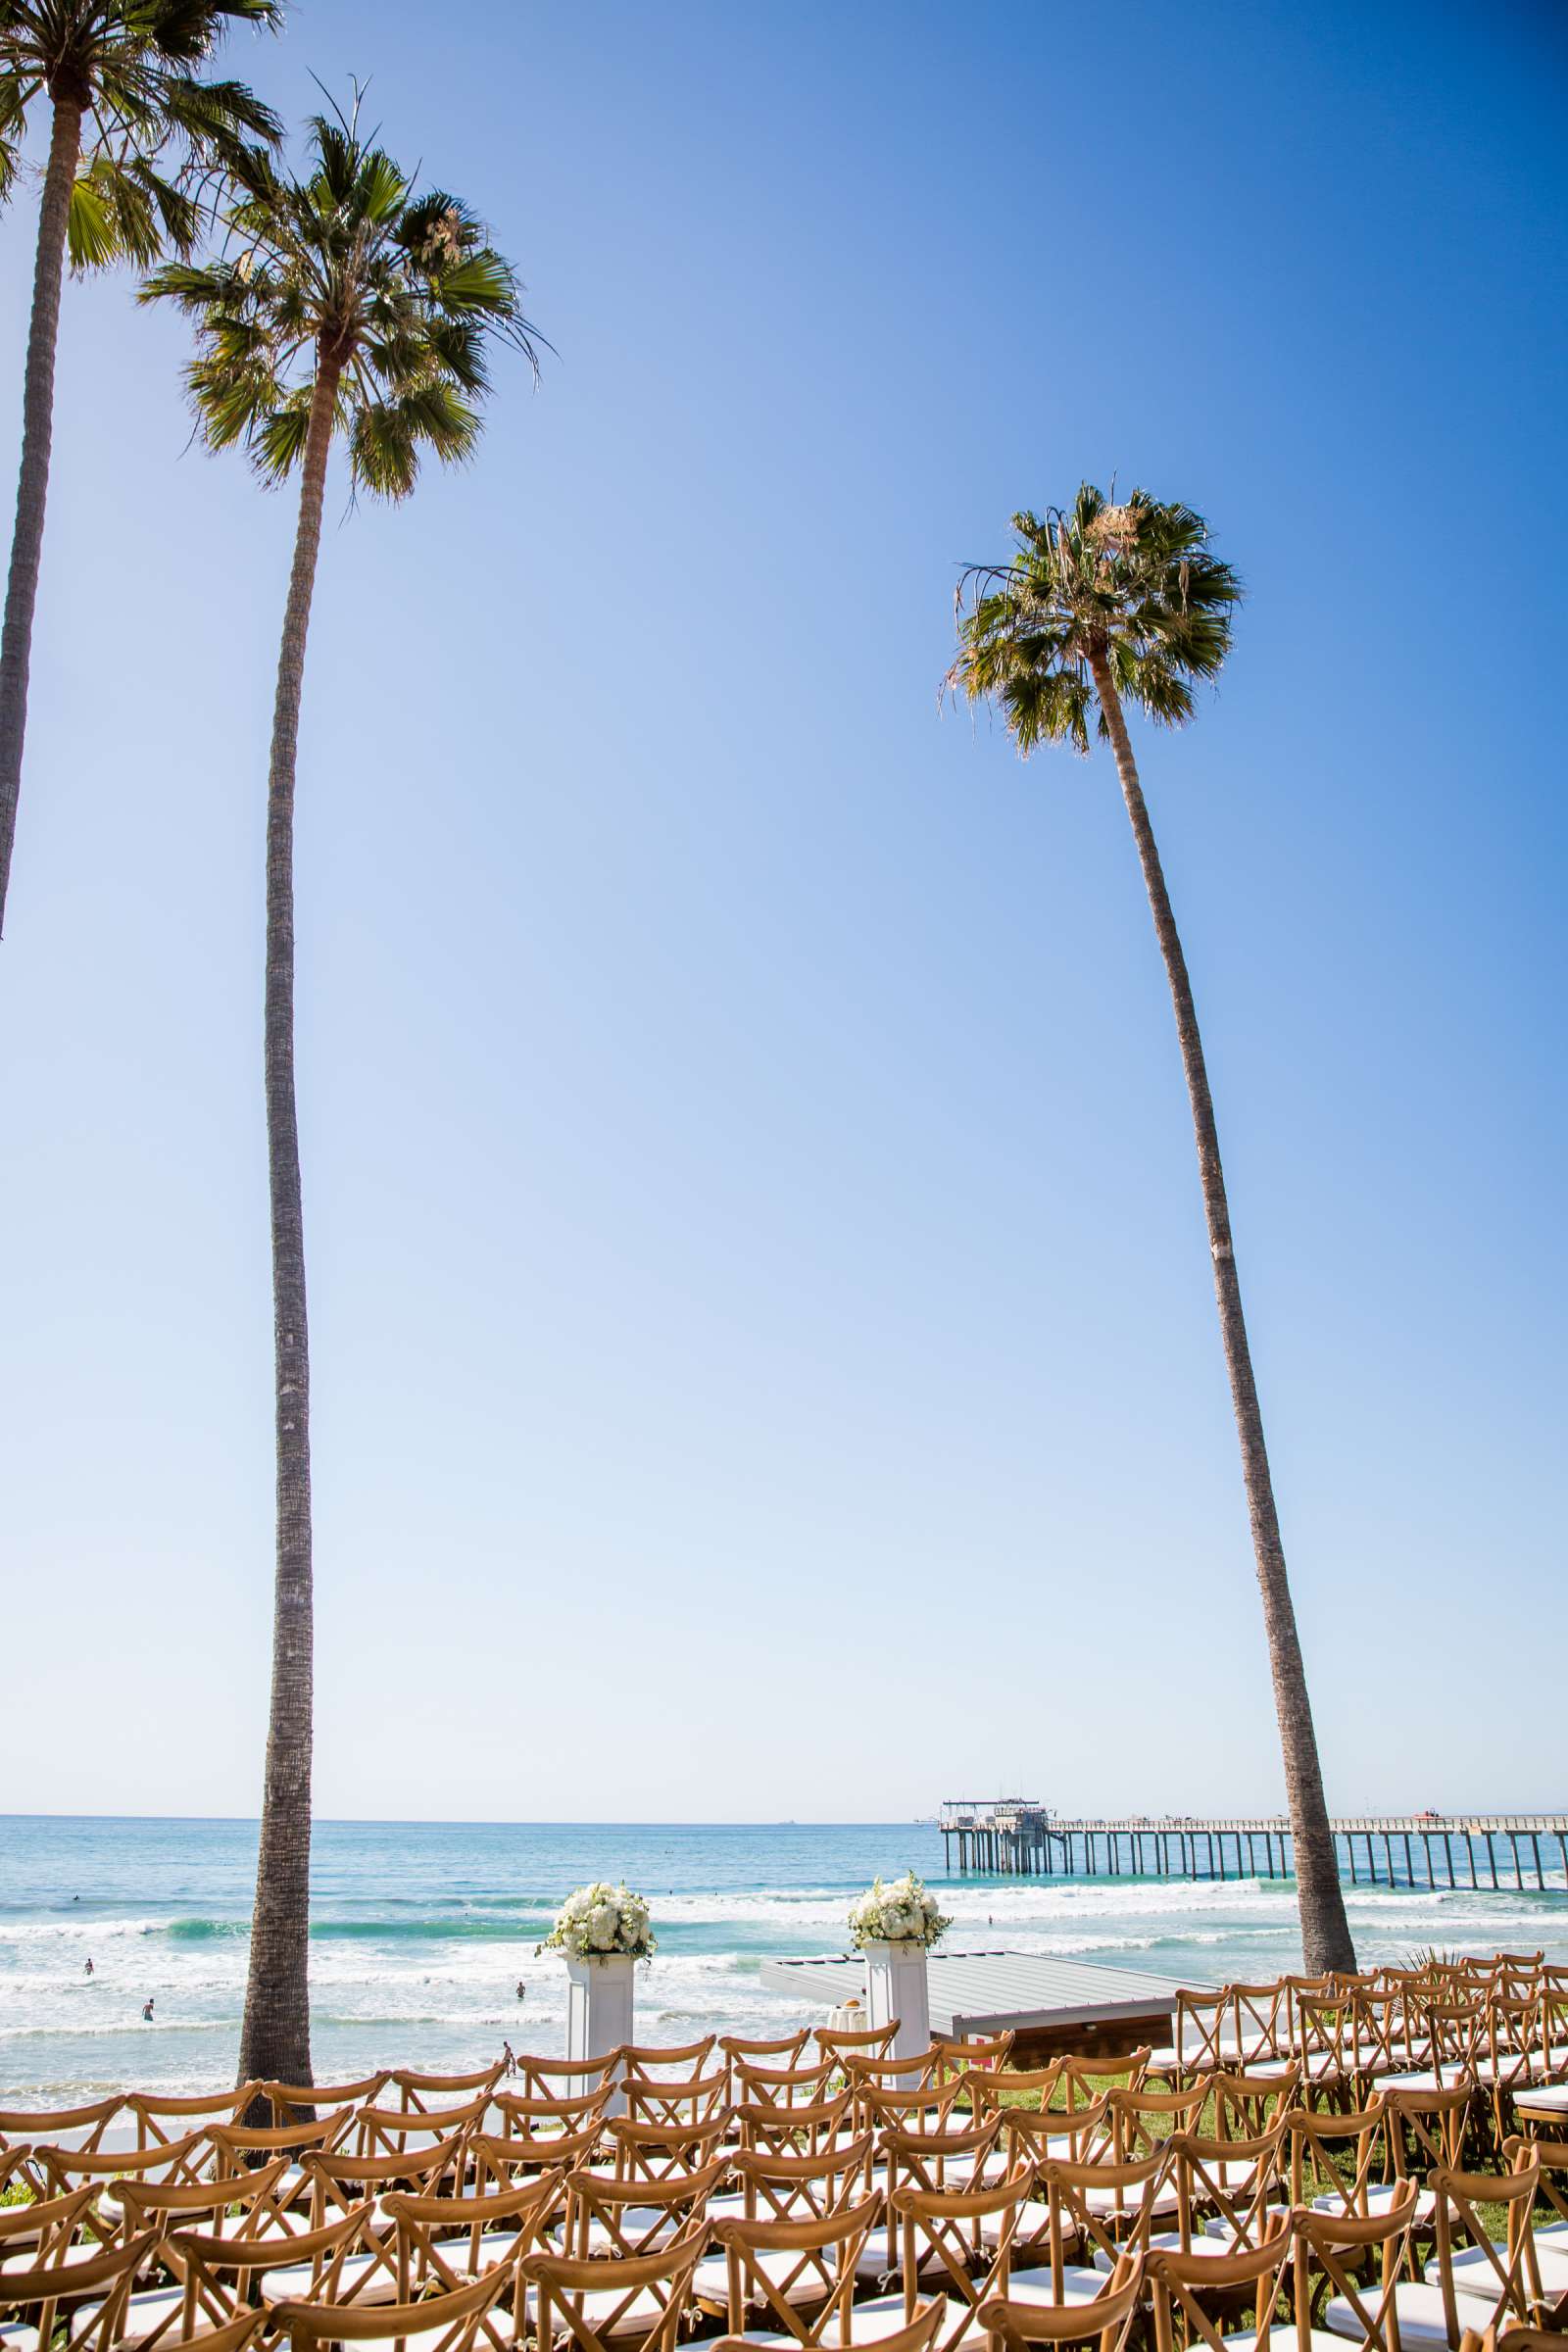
(275, 2036)
(1325, 1931)
(32, 489)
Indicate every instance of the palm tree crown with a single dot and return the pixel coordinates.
(1131, 587)
(346, 271)
(133, 68)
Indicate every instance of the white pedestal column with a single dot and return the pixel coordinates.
(896, 1988)
(600, 2000)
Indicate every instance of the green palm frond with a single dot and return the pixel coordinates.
(345, 266)
(156, 134)
(1130, 588)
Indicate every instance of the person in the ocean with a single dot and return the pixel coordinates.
(147, 2014)
(521, 1988)
(89, 1964)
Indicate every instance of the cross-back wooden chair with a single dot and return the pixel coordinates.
(1185, 2284)
(1513, 2056)
(747, 2050)
(863, 2073)
(1427, 2128)
(237, 2148)
(621, 2219)
(1325, 2043)
(340, 2178)
(1018, 2087)
(1139, 2121)
(641, 2299)
(1226, 2188)
(930, 2108)
(247, 2204)
(195, 2300)
(1263, 2025)
(663, 2151)
(784, 2131)
(1341, 2161)
(1454, 2041)
(1247, 2104)
(106, 2170)
(452, 2322)
(802, 2189)
(300, 2102)
(505, 2160)
(937, 2161)
(1078, 2136)
(794, 2278)
(46, 2124)
(416, 2092)
(835, 2043)
(804, 2086)
(1203, 2035)
(959, 2243)
(443, 2242)
(1551, 2237)
(349, 2259)
(551, 2121)
(693, 2099)
(47, 2226)
(1352, 2265)
(1470, 2281)
(1106, 2319)
(74, 2305)
(412, 2130)
(1102, 2210)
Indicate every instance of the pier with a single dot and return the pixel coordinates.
(1017, 1838)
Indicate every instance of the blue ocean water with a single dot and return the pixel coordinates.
(421, 1931)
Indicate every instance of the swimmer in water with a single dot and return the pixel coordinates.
(147, 2014)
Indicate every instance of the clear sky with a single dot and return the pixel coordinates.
(764, 1356)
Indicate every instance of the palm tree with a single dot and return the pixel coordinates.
(1104, 605)
(125, 89)
(344, 304)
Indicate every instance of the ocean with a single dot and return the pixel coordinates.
(421, 1931)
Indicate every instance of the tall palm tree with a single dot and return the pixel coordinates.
(1100, 606)
(343, 305)
(127, 99)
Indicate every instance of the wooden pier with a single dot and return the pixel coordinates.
(1016, 1838)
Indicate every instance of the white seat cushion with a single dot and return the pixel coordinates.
(1422, 2320)
(710, 2279)
(1380, 2195)
(297, 2282)
(1079, 2285)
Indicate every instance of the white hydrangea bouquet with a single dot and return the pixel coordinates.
(602, 1921)
(901, 1913)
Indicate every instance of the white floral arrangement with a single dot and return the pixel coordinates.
(901, 1913)
(602, 1921)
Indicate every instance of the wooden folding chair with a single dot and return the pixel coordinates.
(661, 2151)
(1263, 2025)
(553, 2122)
(784, 2085)
(646, 2058)
(835, 2043)
(444, 2241)
(237, 2148)
(954, 2056)
(563, 2078)
(622, 2220)
(339, 2181)
(107, 2170)
(1225, 2189)
(74, 2305)
(298, 2102)
(1137, 2122)
(595, 2304)
(350, 2259)
(1551, 2239)
(153, 2112)
(1349, 2267)
(1203, 2036)
(788, 2131)
(931, 2108)
(692, 2100)
(744, 2051)
(1341, 2162)
(961, 2246)
(413, 2131)
(798, 2189)
(503, 2161)
(413, 2091)
(1467, 2284)
(47, 2228)
(46, 2124)
(1247, 2104)
(1106, 2319)
(1103, 2213)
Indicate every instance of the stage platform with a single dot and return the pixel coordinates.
(1052, 2005)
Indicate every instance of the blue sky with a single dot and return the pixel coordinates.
(765, 1356)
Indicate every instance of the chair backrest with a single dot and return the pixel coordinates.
(863, 2073)
(1108, 2320)
(1181, 2283)
(934, 2160)
(292, 2101)
(650, 2291)
(1203, 2032)
(927, 2109)
(413, 2091)
(219, 2270)
(783, 2085)
(1553, 2157)
(1140, 2121)
(1247, 2104)
(236, 2146)
(46, 2124)
(160, 2118)
(1427, 2127)
(1035, 2133)
(1263, 2022)
(165, 2160)
(555, 2078)
(340, 2179)
(1509, 2278)
(410, 2131)
(796, 2277)
(45, 2225)
(1337, 2247)
(955, 2055)
(1081, 2081)
(59, 2296)
(548, 2119)
(798, 2130)
(648, 2057)
(1019, 2086)
(183, 2204)
(505, 2160)
(453, 2322)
